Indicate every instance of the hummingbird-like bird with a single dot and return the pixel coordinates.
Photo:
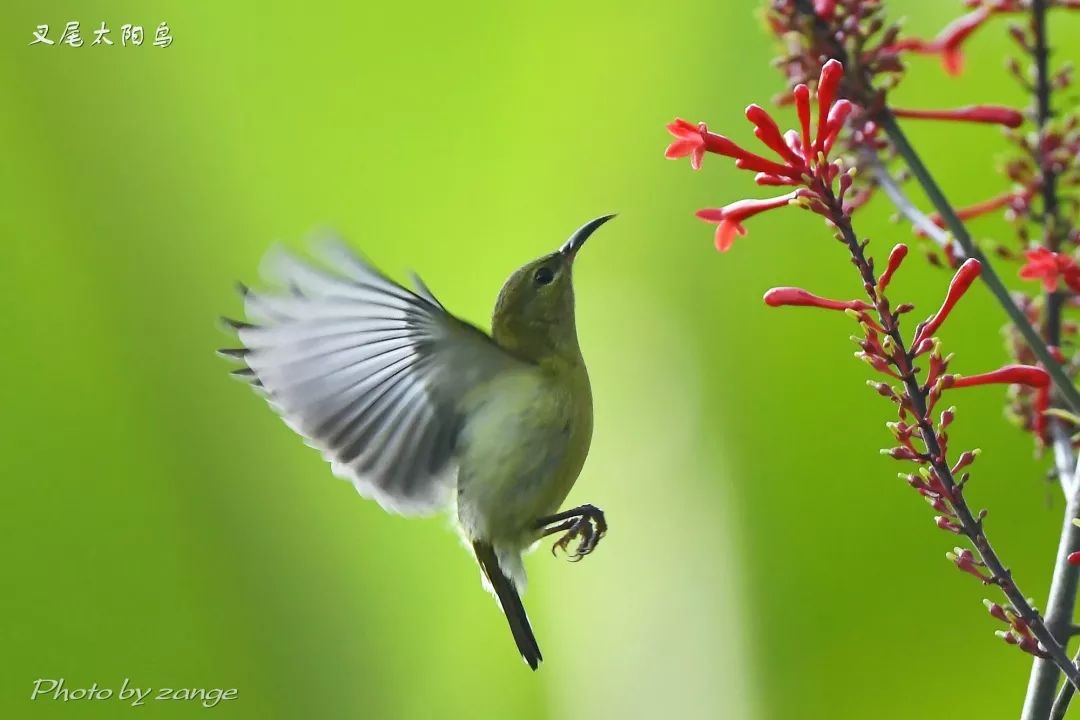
(422, 411)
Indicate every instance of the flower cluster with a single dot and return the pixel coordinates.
(920, 431)
(802, 156)
(1042, 178)
(857, 148)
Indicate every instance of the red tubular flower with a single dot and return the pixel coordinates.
(1074, 558)
(981, 208)
(1027, 375)
(729, 218)
(957, 287)
(696, 140)
(992, 114)
(896, 257)
(949, 41)
(778, 297)
(1051, 267)
(688, 141)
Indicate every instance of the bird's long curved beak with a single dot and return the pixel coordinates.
(571, 246)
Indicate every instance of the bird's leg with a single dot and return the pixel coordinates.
(585, 523)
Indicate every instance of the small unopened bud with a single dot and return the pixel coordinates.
(923, 346)
(881, 388)
(948, 525)
(966, 458)
(965, 560)
(896, 257)
(996, 611)
(1018, 34)
(900, 453)
(1030, 645)
(938, 504)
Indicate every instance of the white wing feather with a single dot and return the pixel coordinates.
(369, 373)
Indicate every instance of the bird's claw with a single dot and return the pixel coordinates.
(588, 529)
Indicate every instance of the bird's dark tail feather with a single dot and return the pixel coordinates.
(511, 604)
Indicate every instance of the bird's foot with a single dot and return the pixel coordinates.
(585, 524)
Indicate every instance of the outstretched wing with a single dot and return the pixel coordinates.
(368, 372)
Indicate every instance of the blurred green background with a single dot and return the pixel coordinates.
(161, 524)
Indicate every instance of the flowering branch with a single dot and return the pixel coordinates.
(821, 186)
(847, 29)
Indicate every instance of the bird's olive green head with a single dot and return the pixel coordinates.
(534, 315)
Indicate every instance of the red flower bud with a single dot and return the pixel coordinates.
(896, 257)
(835, 123)
(1028, 375)
(957, 287)
(767, 131)
(832, 73)
(777, 297)
(1073, 558)
(992, 114)
(802, 109)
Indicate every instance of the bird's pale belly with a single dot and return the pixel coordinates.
(520, 454)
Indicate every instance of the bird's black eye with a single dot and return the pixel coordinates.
(543, 276)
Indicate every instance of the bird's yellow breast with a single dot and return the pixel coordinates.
(521, 449)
